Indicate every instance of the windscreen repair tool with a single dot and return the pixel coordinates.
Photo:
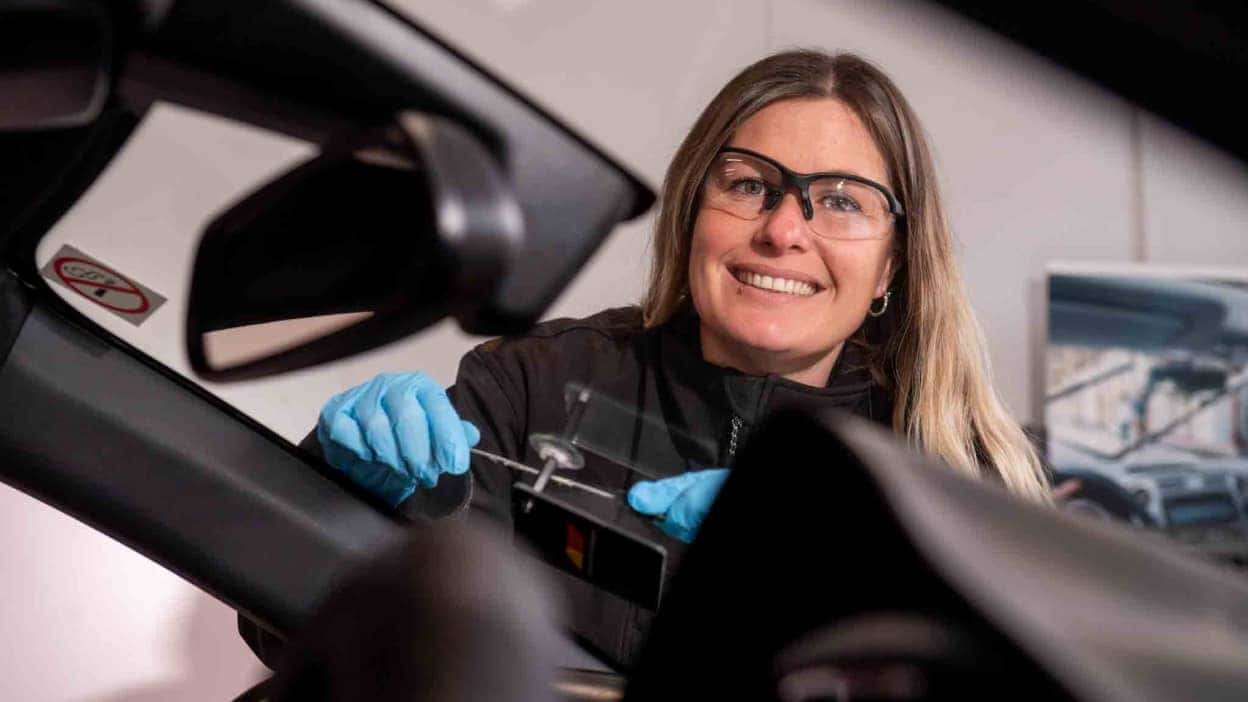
(571, 537)
(556, 451)
(611, 429)
(593, 547)
(557, 479)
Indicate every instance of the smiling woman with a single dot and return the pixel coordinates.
(801, 260)
(840, 115)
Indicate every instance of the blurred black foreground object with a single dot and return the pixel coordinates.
(838, 565)
(1176, 59)
(451, 615)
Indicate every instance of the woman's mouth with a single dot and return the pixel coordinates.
(787, 286)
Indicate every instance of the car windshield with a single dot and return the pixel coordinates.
(1113, 403)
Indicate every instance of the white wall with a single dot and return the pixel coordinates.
(83, 618)
(1037, 165)
(1193, 202)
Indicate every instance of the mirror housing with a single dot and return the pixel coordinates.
(55, 63)
(380, 236)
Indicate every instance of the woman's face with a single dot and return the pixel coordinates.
(762, 330)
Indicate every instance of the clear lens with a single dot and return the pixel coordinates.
(747, 187)
(847, 209)
(739, 185)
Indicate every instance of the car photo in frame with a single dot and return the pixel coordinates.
(1147, 390)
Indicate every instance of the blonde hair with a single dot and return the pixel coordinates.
(927, 349)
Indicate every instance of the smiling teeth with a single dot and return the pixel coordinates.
(782, 285)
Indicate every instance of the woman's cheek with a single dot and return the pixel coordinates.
(697, 273)
(855, 272)
(703, 264)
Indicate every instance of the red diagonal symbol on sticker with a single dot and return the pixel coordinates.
(93, 281)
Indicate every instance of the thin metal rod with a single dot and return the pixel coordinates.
(516, 465)
(548, 470)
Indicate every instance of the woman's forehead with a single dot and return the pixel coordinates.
(810, 135)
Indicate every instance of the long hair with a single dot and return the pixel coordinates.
(927, 349)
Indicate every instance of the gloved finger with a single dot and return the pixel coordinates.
(463, 457)
(654, 497)
(450, 445)
(411, 431)
(338, 430)
(472, 433)
(391, 485)
(691, 506)
(376, 424)
(676, 531)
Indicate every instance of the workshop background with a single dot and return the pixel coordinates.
(1037, 166)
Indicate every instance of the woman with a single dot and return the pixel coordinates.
(801, 257)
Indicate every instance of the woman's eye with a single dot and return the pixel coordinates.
(750, 187)
(839, 203)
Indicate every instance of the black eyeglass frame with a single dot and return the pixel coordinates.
(800, 182)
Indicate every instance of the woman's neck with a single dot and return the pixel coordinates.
(813, 370)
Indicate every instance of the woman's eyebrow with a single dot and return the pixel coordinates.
(828, 171)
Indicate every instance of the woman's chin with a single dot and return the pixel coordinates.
(770, 341)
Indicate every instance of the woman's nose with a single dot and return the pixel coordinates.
(785, 228)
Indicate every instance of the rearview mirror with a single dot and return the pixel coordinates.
(379, 236)
(55, 60)
(1190, 377)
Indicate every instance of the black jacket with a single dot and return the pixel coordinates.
(687, 414)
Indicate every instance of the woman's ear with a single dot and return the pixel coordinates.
(886, 275)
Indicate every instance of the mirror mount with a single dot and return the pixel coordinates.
(475, 211)
(56, 63)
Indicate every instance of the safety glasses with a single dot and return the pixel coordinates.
(747, 184)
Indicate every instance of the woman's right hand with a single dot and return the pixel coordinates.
(395, 433)
(680, 502)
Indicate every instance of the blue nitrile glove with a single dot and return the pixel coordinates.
(681, 502)
(394, 433)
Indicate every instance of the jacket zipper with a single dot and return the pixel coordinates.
(732, 438)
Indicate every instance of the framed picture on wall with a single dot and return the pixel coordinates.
(1146, 399)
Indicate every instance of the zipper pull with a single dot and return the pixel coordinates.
(732, 438)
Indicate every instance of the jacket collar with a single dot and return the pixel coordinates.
(751, 397)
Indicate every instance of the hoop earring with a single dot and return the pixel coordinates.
(883, 307)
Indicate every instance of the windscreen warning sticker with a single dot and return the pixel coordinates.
(102, 285)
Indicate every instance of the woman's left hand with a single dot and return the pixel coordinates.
(680, 502)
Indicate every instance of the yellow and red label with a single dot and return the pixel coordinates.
(574, 547)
